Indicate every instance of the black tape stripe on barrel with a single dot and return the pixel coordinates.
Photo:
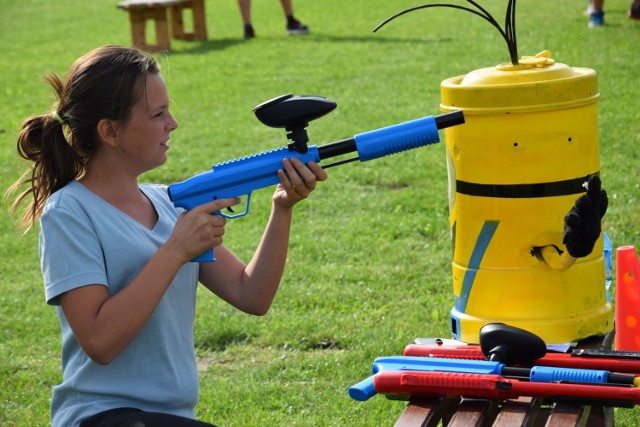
(524, 191)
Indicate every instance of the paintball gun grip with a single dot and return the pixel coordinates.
(363, 390)
(206, 256)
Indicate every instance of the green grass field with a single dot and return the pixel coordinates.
(369, 266)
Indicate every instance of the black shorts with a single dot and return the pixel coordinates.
(131, 417)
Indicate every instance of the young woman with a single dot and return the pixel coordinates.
(115, 254)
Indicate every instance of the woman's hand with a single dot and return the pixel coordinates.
(252, 287)
(198, 230)
(297, 181)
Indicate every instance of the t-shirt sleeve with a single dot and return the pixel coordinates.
(71, 255)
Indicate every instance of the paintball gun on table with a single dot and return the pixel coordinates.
(242, 176)
(481, 370)
(538, 374)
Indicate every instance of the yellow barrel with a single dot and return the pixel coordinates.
(516, 167)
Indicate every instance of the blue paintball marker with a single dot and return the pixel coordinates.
(242, 176)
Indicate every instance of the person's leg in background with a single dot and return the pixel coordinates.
(294, 27)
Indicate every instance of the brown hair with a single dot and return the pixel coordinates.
(103, 84)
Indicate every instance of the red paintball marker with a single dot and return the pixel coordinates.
(401, 384)
(516, 346)
(617, 361)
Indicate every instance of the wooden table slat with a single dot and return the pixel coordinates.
(474, 412)
(563, 415)
(518, 412)
(427, 412)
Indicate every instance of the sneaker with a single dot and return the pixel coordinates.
(296, 28)
(248, 32)
(634, 11)
(596, 19)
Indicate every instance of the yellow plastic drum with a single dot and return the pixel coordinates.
(516, 168)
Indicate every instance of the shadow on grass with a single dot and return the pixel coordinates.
(379, 39)
(199, 47)
(212, 341)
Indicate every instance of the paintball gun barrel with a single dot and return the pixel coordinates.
(242, 176)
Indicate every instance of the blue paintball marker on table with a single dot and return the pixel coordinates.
(242, 176)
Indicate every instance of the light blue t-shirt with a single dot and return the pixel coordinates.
(85, 240)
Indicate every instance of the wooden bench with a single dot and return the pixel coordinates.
(526, 411)
(161, 12)
(456, 412)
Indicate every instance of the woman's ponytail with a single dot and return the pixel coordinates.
(103, 84)
(43, 142)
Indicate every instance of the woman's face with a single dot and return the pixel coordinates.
(144, 137)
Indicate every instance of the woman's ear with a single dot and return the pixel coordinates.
(108, 132)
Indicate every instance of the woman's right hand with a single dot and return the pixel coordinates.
(198, 230)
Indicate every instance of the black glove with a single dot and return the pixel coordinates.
(582, 225)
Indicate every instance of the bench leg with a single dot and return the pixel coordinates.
(199, 21)
(139, 20)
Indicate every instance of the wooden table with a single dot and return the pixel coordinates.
(526, 411)
(458, 412)
(161, 12)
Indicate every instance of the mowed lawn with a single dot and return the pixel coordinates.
(370, 260)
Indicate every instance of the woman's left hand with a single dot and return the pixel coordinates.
(297, 181)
